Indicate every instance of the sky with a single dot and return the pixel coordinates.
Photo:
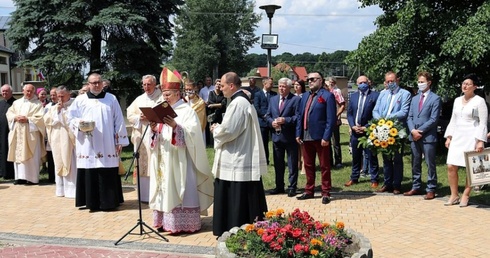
(313, 26)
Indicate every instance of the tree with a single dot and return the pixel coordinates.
(446, 37)
(214, 36)
(64, 37)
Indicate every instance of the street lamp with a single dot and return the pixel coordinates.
(269, 41)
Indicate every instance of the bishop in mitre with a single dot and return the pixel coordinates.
(139, 122)
(181, 183)
(62, 142)
(26, 136)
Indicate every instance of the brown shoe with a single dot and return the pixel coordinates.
(412, 192)
(385, 188)
(396, 191)
(374, 185)
(350, 182)
(430, 196)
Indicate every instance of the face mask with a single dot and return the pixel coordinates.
(392, 86)
(422, 86)
(363, 87)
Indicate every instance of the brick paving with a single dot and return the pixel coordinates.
(34, 222)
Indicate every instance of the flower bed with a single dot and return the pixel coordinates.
(294, 235)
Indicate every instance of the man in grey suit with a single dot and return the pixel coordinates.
(422, 124)
(394, 102)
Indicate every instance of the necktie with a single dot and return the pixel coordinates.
(360, 109)
(281, 106)
(307, 109)
(267, 96)
(421, 102)
(388, 105)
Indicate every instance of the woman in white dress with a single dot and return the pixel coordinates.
(467, 131)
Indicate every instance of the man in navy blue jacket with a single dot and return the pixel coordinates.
(281, 116)
(261, 104)
(316, 119)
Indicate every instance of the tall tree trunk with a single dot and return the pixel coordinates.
(95, 50)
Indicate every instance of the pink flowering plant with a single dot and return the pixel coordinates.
(293, 235)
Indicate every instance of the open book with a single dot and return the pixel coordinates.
(158, 112)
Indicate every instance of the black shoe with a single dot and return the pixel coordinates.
(305, 196)
(325, 200)
(291, 192)
(160, 229)
(20, 182)
(276, 191)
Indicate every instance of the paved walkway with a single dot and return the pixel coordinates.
(33, 223)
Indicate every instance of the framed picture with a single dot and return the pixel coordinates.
(478, 167)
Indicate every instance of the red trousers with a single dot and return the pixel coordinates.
(310, 149)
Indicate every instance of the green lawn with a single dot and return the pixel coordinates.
(340, 176)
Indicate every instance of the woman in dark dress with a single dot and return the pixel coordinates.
(216, 104)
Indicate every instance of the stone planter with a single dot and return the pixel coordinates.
(360, 247)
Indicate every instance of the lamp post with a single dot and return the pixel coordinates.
(270, 39)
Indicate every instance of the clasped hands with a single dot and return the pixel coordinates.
(358, 129)
(276, 124)
(21, 119)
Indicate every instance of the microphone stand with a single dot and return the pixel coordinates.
(140, 223)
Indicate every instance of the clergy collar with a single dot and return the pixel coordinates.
(155, 92)
(240, 93)
(101, 95)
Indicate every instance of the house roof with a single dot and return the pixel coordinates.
(5, 50)
(262, 71)
(301, 72)
(4, 20)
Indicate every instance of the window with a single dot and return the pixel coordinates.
(3, 60)
(28, 77)
(3, 78)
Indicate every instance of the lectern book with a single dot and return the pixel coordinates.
(158, 112)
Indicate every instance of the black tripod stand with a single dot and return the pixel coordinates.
(140, 223)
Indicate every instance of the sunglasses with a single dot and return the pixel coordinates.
(313, 79)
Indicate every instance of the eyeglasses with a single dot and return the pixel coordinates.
(95, 83)
(467, 84)
(362, 83)
(313, 79)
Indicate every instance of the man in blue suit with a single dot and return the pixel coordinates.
(359, 113)
(261, 104)
(394, 102)
(316, 118)
(422, 124)
(281, 116)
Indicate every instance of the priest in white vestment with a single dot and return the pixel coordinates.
(26, 136)
(181, 183)
(97, 151)
(239, 161)
(138, 121)
(62, 142)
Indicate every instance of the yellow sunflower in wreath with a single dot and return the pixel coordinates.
(381, 122)
(389, 123)
(371, 136)
(372, 127)
(393, 132)
(384, 144)
(391, 140)
(376, 143)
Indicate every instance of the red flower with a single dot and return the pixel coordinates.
(321, 100)
(297, 232)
